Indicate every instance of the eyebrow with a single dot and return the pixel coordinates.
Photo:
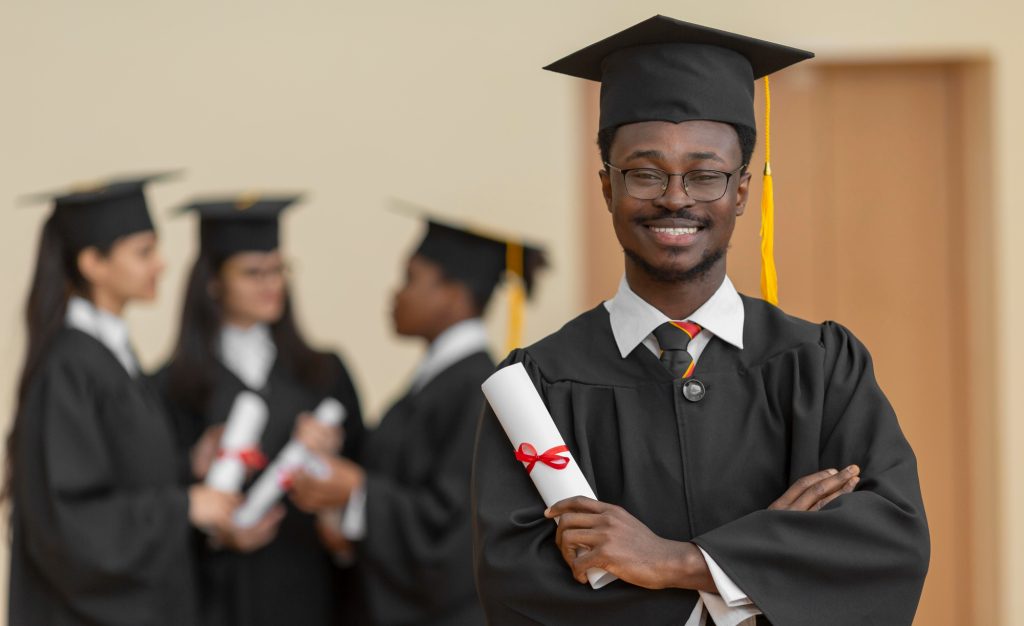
(657, 154)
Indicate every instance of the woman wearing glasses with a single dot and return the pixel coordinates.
(238, 332)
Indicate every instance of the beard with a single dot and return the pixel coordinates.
(672, 275)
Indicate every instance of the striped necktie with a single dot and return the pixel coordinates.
(673, 338)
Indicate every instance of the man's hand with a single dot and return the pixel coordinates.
(312, 494)
(596, 534)
(814, 491)
(318, 437)
(205, 451)
(247, 540)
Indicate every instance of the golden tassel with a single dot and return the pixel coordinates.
(769, 276)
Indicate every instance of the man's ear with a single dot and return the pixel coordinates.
(606, 188)
(92, 265)
(742, 193)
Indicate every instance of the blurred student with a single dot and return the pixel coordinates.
(407, 508)
(100, 521)
(239, 332)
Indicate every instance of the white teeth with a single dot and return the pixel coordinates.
(675, 231)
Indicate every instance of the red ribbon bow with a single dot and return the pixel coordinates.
(528, 454)
(250, 457)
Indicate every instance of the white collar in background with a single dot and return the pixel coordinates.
(103, 326)
(633, 319)
(248, 353)
(454, 344)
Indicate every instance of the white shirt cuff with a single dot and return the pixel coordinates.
(713, 605)
(730, 593)
(353, 520)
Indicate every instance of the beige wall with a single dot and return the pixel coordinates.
(438, 102)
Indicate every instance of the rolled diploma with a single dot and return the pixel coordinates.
(271, 486)
(525, 419)
(245, 424)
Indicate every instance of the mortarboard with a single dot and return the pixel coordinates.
(246, 222)
(100, 212)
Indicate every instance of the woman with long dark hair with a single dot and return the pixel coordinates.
(100, 521)
(238, 333)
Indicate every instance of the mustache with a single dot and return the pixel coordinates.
(684, 214)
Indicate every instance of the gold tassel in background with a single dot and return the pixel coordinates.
(516, 295)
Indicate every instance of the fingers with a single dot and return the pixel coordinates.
(317, 436)
(272, 519)
(586, 560)
(576, 504)
(847, 488)
(799, 487)
(576, 521)
(829, 486)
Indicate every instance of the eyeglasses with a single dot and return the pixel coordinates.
(648, 183)
(260, 274)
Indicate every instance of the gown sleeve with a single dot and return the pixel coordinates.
(107, 549)
(417, 544)
(862, 559)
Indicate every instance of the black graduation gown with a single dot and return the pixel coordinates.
(417, 557)
(292, 580)
(798, 398)
(100, 520)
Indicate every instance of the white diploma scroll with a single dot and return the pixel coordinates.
(526, 420)
(242, 432)
(271, 486)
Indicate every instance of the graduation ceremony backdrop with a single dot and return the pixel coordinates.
(444, 104)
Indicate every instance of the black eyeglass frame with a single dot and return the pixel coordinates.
(668, 176)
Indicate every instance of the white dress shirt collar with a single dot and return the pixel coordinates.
(633, 319)
(248, 353)
(103, 326)
(454, 344)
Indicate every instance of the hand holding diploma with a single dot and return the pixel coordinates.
(314, 492)
(537, 443)
(271, 486)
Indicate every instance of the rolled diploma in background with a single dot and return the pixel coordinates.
(245, 424)
(525, 419)
(271, 486)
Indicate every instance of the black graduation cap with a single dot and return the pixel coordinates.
(664, 69)
(246, 222)
(480, 259)
(100, 212)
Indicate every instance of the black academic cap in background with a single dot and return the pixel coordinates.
(243, 222)
(100, 212)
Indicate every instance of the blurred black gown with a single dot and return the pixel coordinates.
(417, 557)
(100, 522)
(292, 580)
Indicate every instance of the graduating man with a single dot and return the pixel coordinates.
(746, 463)
(407, 508)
